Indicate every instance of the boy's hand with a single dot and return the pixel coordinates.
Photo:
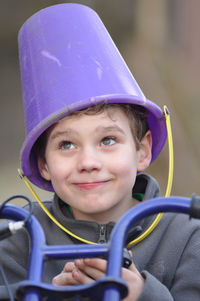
(84, 271)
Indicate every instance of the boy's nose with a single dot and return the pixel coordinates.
(89, 161)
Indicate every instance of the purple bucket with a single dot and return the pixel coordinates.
(69, 62)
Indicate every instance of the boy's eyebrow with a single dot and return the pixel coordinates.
(63, 133)
(113, 128)
(100, 128)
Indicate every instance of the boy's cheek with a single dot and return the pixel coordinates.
(125, 169)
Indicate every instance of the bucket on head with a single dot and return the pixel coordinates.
(69, 62)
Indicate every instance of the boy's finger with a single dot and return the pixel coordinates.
(94, 268)
(64, 279)
(97, 263)
(81, 277)
(132, 272)
(69, 266)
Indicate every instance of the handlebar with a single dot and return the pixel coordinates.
(111, 287)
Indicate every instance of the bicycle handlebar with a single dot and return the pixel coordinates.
(111, 287)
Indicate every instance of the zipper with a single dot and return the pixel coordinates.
(102, 234)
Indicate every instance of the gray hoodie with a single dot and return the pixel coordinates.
(169, 258)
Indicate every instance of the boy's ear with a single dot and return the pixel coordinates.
(43, 168)
(144, 153)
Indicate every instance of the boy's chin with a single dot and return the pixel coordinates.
(100, 215)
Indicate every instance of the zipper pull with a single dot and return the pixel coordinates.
(102, 234)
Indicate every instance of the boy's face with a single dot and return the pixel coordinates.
(92, 162)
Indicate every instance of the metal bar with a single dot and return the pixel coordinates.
(120, 231)
(37, 241)
(75, 251)
(113, 250)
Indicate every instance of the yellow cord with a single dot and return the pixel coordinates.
(171, 153)
(158, 217)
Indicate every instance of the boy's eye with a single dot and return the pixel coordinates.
(108, 141)
(67, 145)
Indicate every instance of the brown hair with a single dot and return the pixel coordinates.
(136, 114)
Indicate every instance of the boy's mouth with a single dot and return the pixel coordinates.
(90, 185)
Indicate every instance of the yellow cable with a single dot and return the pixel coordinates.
(171, 153)
(158, 217)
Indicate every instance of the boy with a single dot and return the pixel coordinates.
(90, 130)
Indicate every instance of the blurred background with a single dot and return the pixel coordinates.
(159, 40)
